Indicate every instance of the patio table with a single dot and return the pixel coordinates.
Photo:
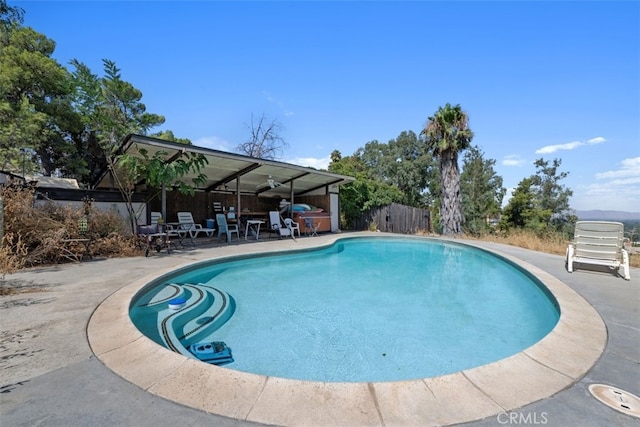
(253, 225)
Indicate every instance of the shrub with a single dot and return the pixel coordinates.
(35, 232)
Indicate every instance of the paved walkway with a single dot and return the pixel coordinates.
(50, 377)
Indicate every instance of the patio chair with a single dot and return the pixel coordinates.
(154, 236)
(310, 227)
(76, 248)
(156, 217)
(276, 225)
(170, 230)
(599, 243)
(293, 226)
(188, 224)
(225, 228)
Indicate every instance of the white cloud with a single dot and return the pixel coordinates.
(277, 102)
(603, 199)
(630, 168)
(313, 162)
(616, 189)
(625, 181)
(214, 143)
(608, 188)
(596, 140)
(548, 149)
(513, 160)
(267, 96)
(553, 148)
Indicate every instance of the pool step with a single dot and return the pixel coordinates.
(158, 301)
(206, 309)
(216, 315)
(151, 309)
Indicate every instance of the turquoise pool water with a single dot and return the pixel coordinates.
(362, 310)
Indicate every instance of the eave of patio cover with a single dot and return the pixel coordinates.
(235, 173)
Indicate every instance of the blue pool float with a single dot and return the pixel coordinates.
(177, 303)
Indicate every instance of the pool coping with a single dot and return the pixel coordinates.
(551, 365)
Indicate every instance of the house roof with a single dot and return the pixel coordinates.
(51, 182)
(228, 172)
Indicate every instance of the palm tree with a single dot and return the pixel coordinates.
(447, 134)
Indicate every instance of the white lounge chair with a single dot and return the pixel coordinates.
(276, 225)
(188, 224)
(599, 243)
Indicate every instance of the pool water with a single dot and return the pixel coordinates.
(366, 310)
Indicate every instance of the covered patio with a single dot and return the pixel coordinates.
(252, 186)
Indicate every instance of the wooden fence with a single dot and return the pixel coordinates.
(395, 218)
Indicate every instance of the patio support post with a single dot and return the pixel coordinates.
(291, 199)
(164, 203)
(238, 208)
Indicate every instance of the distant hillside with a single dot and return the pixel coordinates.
(608, 215)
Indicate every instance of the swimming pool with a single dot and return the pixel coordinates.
(558, 360)
(362, 309)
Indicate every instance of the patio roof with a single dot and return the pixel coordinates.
(228, 172)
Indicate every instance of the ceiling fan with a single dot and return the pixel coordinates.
(270, 182)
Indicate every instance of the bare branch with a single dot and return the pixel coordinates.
(265, 141)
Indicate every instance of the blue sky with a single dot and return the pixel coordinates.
(537, 79)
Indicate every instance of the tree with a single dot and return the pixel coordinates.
(371, 157)
(156, 172)
(396, 172)
(168, 135)
(10, 17)
(431, 195)
(447, 133)
(366, 192)
(36, 116)
(407, 166)
(75, 122)
(265, 141)
(540, 203)
(112, 109)
(552, 196)
(522, 211)
(481, 190)
(402, 162)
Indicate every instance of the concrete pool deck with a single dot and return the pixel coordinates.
(53, 375)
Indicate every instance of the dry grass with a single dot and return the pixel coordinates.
(634, 259)
(551, 243)
(38, 234)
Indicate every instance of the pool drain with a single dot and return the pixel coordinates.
(617, 399)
